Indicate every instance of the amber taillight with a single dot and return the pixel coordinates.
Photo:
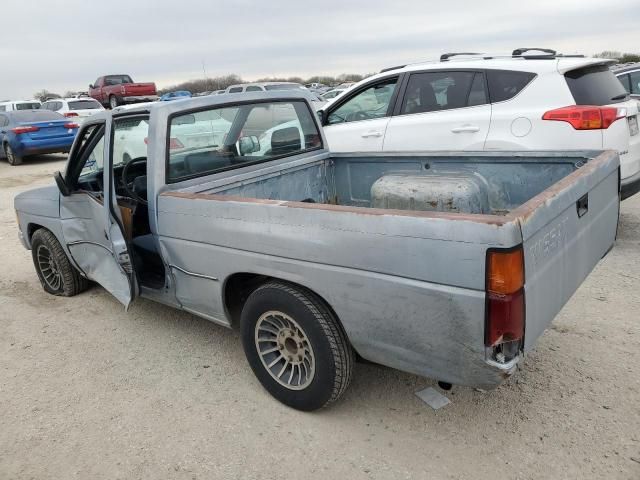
(505, 299)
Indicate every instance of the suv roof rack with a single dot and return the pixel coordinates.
(547, 54)
(446, 56)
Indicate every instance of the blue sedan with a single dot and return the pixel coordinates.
(177, 95)
(33, 132)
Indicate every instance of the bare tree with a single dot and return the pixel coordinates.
(45, 94)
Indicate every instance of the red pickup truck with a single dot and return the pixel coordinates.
(114, 90)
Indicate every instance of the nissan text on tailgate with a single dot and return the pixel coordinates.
(446, 265)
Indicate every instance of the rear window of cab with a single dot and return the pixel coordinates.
(232, 136)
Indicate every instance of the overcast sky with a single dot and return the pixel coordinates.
(64, 45)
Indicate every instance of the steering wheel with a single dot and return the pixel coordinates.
(130, 185)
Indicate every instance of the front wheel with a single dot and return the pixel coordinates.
(296, 346)
(12, 158)
(56, 273)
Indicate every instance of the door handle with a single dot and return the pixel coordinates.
(371, 133)
(466, 128)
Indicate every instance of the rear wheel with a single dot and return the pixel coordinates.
(56, 273)
(296, 346)
(113, 101)
(12, 158)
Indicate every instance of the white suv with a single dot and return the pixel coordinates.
(73, 107)
(479, 102)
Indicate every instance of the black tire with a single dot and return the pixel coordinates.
(62, 278)
(113, 101)
(12, 158)
(333, 357)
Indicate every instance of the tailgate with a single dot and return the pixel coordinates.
(566, 230)
(140, 89)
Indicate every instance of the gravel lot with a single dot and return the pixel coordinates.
(89, 391)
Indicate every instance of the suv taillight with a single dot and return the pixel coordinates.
(505, 303)
(586, 117)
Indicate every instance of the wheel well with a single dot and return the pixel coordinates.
(239, 286)
(31, 229)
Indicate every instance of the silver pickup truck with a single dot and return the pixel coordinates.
(446, 265)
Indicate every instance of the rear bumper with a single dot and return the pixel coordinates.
(49, 145)
(630, 186)
(140, 98)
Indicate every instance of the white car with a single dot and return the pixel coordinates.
(73, 107)
(12, 105)
(523, 101)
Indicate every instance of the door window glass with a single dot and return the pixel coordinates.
(506, 84)
(373, 102)
(634, 80)
(432, 91)
(129, 139)
(625, 81)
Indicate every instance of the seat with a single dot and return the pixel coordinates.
(428, 101)
(285, 140)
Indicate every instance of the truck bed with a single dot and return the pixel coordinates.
(310, 220)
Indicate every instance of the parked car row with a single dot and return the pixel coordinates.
(534, 99)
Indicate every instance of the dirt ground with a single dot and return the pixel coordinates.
(89, 391)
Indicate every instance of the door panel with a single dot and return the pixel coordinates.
(441, 110)
(86, 238)
(459, 129)
(93, 236)
(358, 123)
(363, 136)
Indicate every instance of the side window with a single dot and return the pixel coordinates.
(4, 121)
(373, 102)
(3, 108)
(130, 136)
(228, 137)
(634, 80)
(97, 82)
(626, 82)
(433, 91)
(235, 89)
(505, 84)
(253, 88)
(94, 162)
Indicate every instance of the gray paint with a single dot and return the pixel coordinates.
(407, 286)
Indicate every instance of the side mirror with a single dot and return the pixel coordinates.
(248, 145)
(62, 185)
(91, 86)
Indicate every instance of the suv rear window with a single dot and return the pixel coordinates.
(84, 105)
(27, 106)
(506, 84)
(595, 85)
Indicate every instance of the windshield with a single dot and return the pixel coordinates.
(84, 105)
(117, 79)
(27, 106)
(36, 116)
